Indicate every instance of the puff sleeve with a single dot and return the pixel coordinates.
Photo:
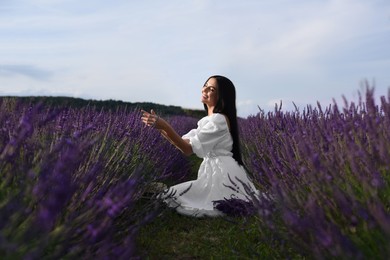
(208, 134)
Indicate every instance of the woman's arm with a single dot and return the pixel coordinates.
(166, 130)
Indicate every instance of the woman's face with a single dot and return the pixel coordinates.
(210, 92)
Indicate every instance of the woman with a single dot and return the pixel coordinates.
(221, 174)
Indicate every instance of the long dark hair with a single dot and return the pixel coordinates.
(226, 104)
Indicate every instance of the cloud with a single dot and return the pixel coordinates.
(30, 71)
(163, 51)
(297, 38)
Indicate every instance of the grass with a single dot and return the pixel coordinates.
(174, 236)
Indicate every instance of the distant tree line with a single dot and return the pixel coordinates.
(60, 102)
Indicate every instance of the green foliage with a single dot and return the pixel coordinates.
(108, 105)
(172, 236)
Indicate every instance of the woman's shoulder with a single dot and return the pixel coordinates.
(219, 119)
(216, 116)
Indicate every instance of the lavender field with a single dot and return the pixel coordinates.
(73, 180)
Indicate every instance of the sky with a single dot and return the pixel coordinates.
(162, 51)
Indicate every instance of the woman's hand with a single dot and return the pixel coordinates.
(150, 119)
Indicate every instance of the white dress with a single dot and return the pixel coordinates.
(211, 141)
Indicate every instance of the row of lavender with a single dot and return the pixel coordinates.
(70, 180)
(328, 173)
